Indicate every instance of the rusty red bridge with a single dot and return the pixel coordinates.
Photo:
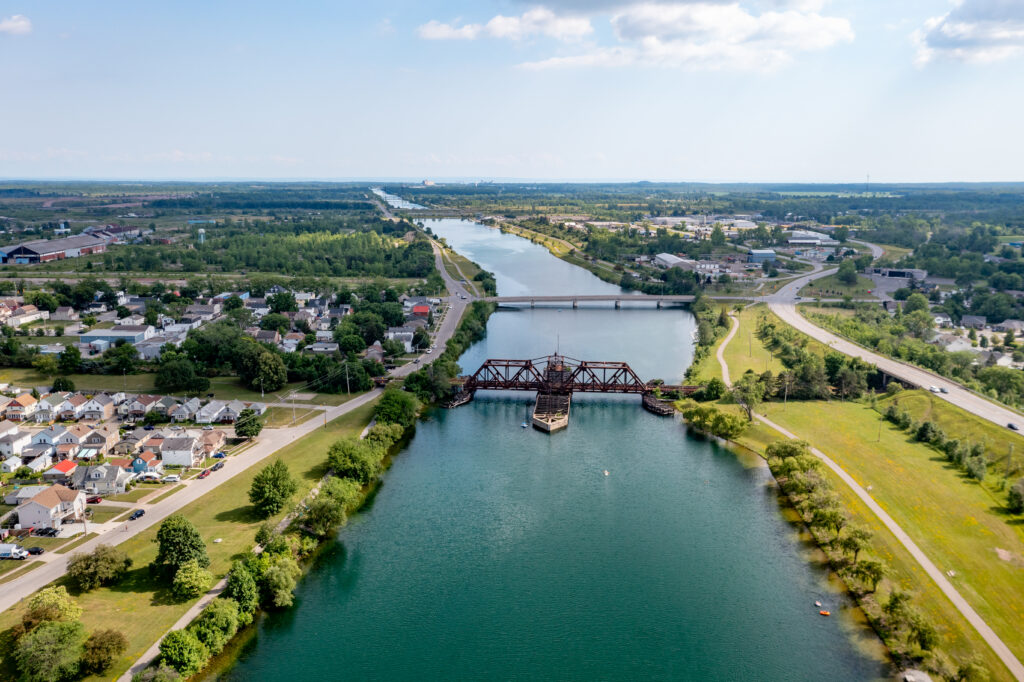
(555, 378)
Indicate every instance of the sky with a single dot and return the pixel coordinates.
(675, 90)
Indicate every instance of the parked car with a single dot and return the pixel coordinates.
(1013, 427)
(45, 532)
(172, 478)
(943, 389)
(204, 474)
(218, 466)
(137, 514)
(35, 551)
(148, 427)
(94, 499)
(933, 389)
(208, 427)
(220, 455)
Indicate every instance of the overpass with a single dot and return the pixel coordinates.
(576, 299)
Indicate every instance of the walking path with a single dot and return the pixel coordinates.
(972, 616)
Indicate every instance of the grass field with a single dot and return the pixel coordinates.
(166, 494)
(144, 610)
(708, 367)
(277, 417)
(81, 540)
(133, 495)
(16, 569)
(746, 351)
(831, 287)
(952, 519)
(102, 514)
(466, 269)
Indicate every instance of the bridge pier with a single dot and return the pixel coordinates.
(618, 303)
(575, 304)
(533, 304)
(659, 304)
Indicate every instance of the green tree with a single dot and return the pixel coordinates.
(269, 373)
(279, 581)
(241, 587)
(870, 571)
(70, 360)
(329, 509)
(977, 467)
(787, 448)
(49, 605)
(46, 365)
(105, 565)
(101, 649)
(249, 424)
(1015, 498)
(396, 407)
(351, 343)
(62, 384)
(847, 272)
(272, 488)
(161, 673)
(121, 359)
(748, 392)
(191, 580)
(179, 542)
(283, 302)
(183, 651)
(717, 236)
(915, 302)
(234, 302)
(179, 374)
(276, 322)
(714, 389)
(50, 652)
(923, 632)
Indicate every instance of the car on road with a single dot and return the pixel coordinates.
(137, 514)
(220, 455)
(45, 532)
(148, 427)
(218, 466)
(93, 499)
(207, 428)
(1013, 427)
(14, 552)
(943, 389)
(933, 389)
(172, 478)
(35, 551)
(204, 474)
(416, 361)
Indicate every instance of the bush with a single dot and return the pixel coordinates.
(396, 407)
(217, 624)
(355, 459)
(976, 468)
(1015, 498)
(50, 652)
(104, 566)
(102, 647)
(279, 581)
(48, 605)
(161, 673)
(241, 587)
(62, 384)
(183, 651)
(191, 580)
(926, 432)
(329, 509)
(264, 533)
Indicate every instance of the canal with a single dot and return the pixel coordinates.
(491, 551)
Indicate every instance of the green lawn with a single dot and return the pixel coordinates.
(103, 514)
(80, 540)
(952, 519)
(708, 367)
(166, 494)
(144, 610)
(9, 570)
(277, 417)
(746, 351)
(133, 495)
(831, 287)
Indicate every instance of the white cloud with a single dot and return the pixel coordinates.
(705, 35)
(538, 21)
(16, 25)
(977, 31)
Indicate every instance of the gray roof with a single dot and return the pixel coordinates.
(179, 444)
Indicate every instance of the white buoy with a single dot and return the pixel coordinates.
(605, 472)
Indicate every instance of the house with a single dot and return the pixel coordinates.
(132, 333)
(121, 462)
(186, 411)
(1015, 326)
(102, 438)
(51, 507)
(64, 313)
(32, 452)
(375, 352)
(942, 320)
(27, 314)
(21, 408)
(165, 405)
(48, 408)
(322, 348)
(23, 494)
(185, 452)
(133, 441)
(13, 443)
(212, 441)
(98, 408)
(141, 405)
(7, 427)
(60, 472)
(70, 451)
(975, 321)
(39, 464)
(268, 336)
(71, 408)
(403, 335)
(258, 408)
(210, 412)
(231, 411)
(49, 436)
(421, 311)
(76, 433)
(101, 480)
(147, 463)
(10, 465)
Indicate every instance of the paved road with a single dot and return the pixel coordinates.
(972, 616)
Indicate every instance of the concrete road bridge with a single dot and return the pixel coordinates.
(576, 300)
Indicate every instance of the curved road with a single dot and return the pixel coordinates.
(972, 616)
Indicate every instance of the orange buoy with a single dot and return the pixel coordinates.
(825, 613)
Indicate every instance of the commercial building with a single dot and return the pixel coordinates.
(45, 250)
(761, 256)
(130, 333)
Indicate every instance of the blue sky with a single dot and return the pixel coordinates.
(711, 90)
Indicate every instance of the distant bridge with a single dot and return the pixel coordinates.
(575, 300)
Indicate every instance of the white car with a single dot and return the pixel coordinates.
(173, 478)
(933, 389)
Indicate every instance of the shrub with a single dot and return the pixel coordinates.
(50, 604)
(264, 533)
(161, 673)
(1015, 498)
(183, 651)
(104, 566)
(102, 647)
(355, 459)
(396, 407)
(976, 468)
(217, 624)
(279, 580)
(191, 580)
(241, 587)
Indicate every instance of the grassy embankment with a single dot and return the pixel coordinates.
(831, 287)
(144, 610)
(459, 267)
(566, 251)
(957, 523)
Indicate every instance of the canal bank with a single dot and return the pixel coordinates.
(492, 551)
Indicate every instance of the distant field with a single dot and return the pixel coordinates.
(829, 287)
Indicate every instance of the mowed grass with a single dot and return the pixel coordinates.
(952, 519)
(144, 610)
(831, 287)
(746, 351)
(277, 417)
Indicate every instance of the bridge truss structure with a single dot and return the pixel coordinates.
(557, 374)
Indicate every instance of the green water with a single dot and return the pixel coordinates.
(492, 551)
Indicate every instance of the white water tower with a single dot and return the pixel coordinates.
(202, 235)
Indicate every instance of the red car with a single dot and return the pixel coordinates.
(206, 472)
(95, 499)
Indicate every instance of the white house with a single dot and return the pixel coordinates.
(104, 479)
(49, 436)
(13, 443)
(186, 411)
(210, 412)
(51, 507)
(181, 452)
(10, 465)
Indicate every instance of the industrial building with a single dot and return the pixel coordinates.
(46, 250)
